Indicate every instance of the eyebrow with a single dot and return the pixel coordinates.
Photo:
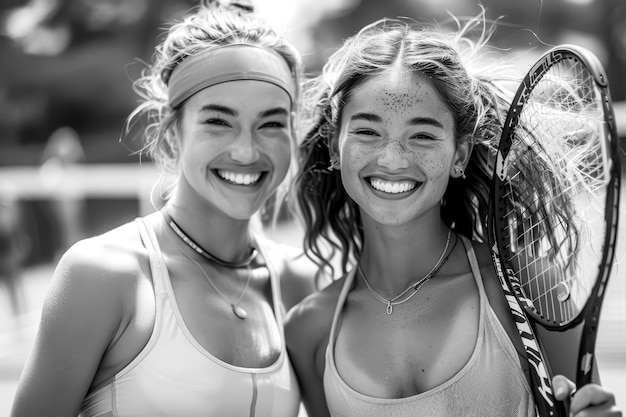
(220, 109)
(369, 117)
(426, 121)
(414, 121)
(277, 111)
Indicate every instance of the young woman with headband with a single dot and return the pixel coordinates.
(394, 175)
(181, 312)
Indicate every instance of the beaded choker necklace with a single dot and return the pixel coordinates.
(205, 254)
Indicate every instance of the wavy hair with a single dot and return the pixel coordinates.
(472, 79)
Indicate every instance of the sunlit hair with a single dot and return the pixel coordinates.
(209, 25)
(469, 75)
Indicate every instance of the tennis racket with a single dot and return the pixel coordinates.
(554, 213)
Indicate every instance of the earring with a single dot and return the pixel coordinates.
(334, 164)
(460, 171)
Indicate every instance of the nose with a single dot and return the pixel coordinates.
(393, 156)
(244, 149)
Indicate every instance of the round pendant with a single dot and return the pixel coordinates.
(239, 312)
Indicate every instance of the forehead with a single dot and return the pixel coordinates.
(244, 96)
(398, 91)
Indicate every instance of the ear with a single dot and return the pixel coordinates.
(462, 156)
(172, 136)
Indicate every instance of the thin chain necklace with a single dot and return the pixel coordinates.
(204, 253)
(238, 311)
(416, 286)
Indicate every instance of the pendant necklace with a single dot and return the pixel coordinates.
(416, 286)
(238, 311)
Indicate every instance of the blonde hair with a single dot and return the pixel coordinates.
(209, 25)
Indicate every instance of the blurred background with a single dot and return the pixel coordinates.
(67, 171)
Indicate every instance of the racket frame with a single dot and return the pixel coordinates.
(590, 313)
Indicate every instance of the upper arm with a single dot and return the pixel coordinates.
(306, 331)
(82, 312)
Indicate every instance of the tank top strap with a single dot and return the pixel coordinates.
(343, 295)
(471, 257)
(157, 263)
(158, 270)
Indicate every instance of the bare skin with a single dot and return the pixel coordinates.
(398, 149)
(99, 312)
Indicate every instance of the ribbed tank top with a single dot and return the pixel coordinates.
(174, 376)
(491, 383)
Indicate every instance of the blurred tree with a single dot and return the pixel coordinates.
(614, 31)
(71, 63)
(525, 24)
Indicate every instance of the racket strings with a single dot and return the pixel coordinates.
(558, 173)
(541, 265)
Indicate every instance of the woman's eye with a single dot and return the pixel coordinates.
(273, 124)
(423, 136)
(364, 132)
(217, 122)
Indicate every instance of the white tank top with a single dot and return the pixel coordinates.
(174, 376)
(491, 383)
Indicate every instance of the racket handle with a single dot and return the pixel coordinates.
(586, 354)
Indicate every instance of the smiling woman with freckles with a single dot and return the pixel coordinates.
(394, 180)
(180, 313)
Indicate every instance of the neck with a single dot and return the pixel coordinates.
(395, 256)
(222, 236)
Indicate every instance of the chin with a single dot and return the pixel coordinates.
(387, 219)
(242, 214)
(392, 221)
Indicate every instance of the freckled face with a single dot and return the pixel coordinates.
(397, 147)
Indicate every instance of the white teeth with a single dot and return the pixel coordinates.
(239, 178)
(393, 187)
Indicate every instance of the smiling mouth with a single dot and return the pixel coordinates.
(393, 187)
(238, 178)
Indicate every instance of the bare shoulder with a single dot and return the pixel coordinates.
(106, 256)
(310, 320)
(89, 304)
(94, 294)
(101, 267)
